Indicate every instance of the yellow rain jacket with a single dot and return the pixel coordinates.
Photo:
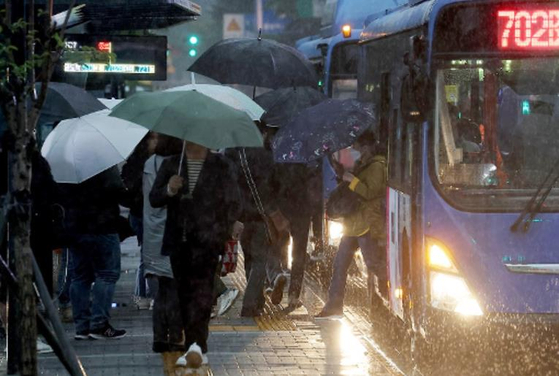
(370, 183)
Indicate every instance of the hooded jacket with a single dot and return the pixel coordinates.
(370, 183)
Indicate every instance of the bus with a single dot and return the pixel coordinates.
(334, 52)
(467, 97)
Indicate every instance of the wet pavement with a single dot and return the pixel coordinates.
(278, 343)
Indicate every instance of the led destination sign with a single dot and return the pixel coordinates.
(492, 28)
(135, 57)
(536, 29)
(109, 68)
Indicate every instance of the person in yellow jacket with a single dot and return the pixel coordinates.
(363, 228)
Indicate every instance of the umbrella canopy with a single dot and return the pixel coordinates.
(322, 129)
(110, 103)
(66, 101)
(191, 116)
(80, 148)
(283, 104)
(227, 95)
(195, 78)
(256, 62)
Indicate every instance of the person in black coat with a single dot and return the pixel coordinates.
(299, 196)
(93, 222)
(203, 206)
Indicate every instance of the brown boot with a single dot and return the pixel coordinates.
(169, 360)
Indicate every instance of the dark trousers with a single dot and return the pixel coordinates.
(256, 250)
(194, 271)
(300, 225)
(167, 321)
(219, 286)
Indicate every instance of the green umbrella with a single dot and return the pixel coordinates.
(191, 116)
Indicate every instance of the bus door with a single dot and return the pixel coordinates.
(401, 151)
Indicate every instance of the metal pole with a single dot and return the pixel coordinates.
(69, 359)
(259, 15)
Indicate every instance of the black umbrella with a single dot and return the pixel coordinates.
(63, 101)
(256, 62)
(66, 101)
(283, 104)
(323, 129)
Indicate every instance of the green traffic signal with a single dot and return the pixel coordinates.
(192, 52)
(193, 40)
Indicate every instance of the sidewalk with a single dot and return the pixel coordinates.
(275, 344)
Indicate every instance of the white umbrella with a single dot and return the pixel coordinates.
(110, 103)
(226, 95)
(80, 148)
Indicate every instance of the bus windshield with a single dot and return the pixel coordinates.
(496, 130)
(343, 72)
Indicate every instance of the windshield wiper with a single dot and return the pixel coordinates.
(532, 209)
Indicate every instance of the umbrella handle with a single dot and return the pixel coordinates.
(182, 157)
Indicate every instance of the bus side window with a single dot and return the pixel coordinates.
(395, 151)
(384, 109)
(409, 154)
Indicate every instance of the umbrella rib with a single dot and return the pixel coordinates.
(74, 148)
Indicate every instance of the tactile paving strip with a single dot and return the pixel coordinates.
(274, 317)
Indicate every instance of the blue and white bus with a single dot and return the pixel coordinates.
(467, 95)
(335, 52)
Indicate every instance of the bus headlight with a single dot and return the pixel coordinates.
(335, 231)
(448, 289)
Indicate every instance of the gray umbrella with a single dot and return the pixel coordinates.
(256, 62)
(66, 101)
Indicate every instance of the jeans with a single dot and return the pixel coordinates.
(346, 251)
(65, 273)
(96, 260)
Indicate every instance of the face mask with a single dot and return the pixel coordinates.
(355, 154)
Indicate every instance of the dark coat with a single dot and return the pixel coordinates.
(46, 211)
(298, 189)
(92, 207)
(132, 174)
(206, 220)
(262, 169)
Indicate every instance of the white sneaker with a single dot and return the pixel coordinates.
(226, 300)
(193, 357)
(142, 303)
(43, 347)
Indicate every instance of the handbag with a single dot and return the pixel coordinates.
(342, 202)
(230, 257)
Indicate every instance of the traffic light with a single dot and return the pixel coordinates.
(193, 44)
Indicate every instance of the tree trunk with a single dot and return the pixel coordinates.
(20, 217)
(20, 231)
